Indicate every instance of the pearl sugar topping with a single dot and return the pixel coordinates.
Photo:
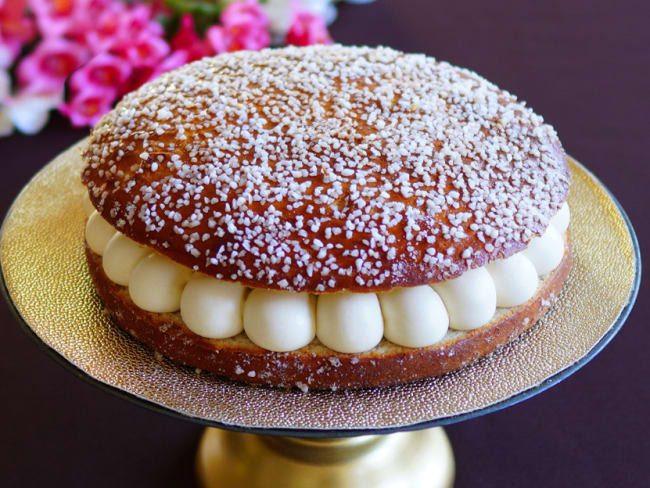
(325, 168)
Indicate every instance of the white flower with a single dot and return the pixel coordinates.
(6, 126)
(5, 85)
(324, 8)
(29, 113)
(280, 12)
(6, 55)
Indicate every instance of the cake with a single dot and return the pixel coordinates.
(325, 217)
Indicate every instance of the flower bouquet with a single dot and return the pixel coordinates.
(81, 56)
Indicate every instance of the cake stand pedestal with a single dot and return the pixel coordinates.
(403, 460)
(381, 437)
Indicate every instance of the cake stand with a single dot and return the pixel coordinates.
(259, 436)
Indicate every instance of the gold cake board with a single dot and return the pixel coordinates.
(315, 439)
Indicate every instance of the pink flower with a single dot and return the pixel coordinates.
(88, 106)
(147, 50)
(9, 51)
(186, 39)
(139, 20)
(142, 74)
(14, 21)
(128, 32)
(56, 18)
(217, 39)
(16, 29)
(107, 29)
(173, 61)
(47, 67)
(245, 26)
(105, 72)
(308, 29)
(117, 27)
(246, 13)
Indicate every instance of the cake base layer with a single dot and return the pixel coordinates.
(316, 366)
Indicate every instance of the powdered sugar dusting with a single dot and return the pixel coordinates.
(327, 167)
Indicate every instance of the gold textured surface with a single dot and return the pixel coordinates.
(42, 255)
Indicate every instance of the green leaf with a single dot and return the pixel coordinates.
(202, 7)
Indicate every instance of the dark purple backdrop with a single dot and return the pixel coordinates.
(584, 65)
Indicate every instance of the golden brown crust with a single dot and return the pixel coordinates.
(316, 366)
(326, 168)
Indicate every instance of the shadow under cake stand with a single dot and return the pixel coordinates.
(260, 436)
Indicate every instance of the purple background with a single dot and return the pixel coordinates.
(584, 65)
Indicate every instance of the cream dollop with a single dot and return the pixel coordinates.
(470, 299)
(212, 308)
(121, 255)
(515, 280)
(98, 233)
(414, 317)
(349, 322)
(561, 219)
(546, 251)
(156, 283)
(279, 320)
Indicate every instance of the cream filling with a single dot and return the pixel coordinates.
(515, 280)
(212, 308)
(545, 252)
(345, 322)
(156, 283)
(279, 320)
(349, 322)
(98, 233)
(414, 317)
(121, 255)
(561, 219)
(470, 299)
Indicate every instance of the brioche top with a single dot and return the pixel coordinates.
(326, 168)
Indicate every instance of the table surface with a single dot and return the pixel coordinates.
(585, 66)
